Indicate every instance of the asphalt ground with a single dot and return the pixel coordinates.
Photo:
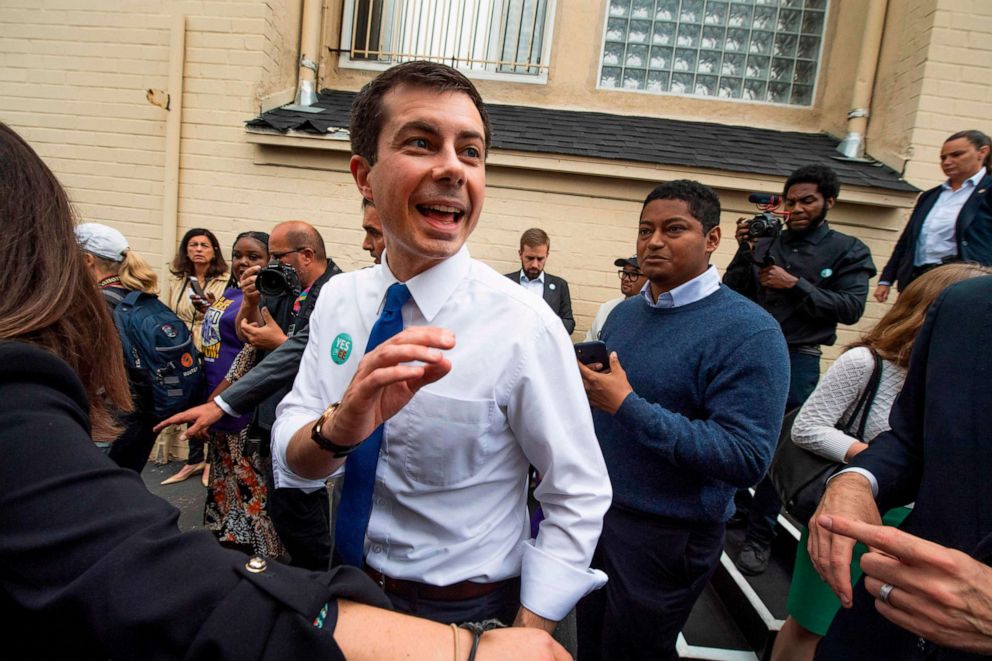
(187, 496)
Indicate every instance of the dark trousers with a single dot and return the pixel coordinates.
(132, 447)
(804, 374)
(303, 522)
(501, 605)
(658, 568)
(196, 454)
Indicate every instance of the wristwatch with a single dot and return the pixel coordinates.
(337, 451)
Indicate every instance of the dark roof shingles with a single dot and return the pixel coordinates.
(629, 138)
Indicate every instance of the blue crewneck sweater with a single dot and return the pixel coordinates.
(710, 380)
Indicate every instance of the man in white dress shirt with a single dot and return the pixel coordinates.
(465, 413)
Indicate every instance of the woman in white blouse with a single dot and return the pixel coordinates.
(812, 604)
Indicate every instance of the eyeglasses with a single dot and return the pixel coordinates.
(276, 256)
(629, 275)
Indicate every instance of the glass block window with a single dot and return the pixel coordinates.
(766, 51)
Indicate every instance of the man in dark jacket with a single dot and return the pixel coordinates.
(813, 279)
(535, 245)
(950, 222)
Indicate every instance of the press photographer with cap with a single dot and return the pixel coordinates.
(631, 283)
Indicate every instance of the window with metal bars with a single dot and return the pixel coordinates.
(752, 50)
(498, 38)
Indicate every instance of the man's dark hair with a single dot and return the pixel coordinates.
(703, 202)
(307, 236)
(979, 140)
(367, 112)
(535, 237)
(825, 179)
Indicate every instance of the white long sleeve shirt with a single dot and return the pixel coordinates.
(449, 501)
(937, 236)
(834, 400)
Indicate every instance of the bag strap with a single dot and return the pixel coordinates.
(133, 297)
(114, 295)
(863, 407)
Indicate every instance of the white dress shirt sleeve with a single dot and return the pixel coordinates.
(304, 403)
(549, 414)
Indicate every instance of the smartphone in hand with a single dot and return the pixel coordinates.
(590, 353)
(194, 285)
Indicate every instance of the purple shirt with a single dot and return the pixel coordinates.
(220, 347)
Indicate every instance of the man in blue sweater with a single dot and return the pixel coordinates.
(687, 412)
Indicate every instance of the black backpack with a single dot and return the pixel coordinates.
(158, 343)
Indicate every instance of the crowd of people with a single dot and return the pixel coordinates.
(412, 382)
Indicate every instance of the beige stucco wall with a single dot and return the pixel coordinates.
(73, 75)
(574, 71)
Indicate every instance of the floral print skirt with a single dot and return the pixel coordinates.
(235, 508)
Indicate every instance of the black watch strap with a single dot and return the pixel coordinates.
(337, 451)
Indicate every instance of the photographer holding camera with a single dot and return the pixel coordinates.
(810, 278)
(278, 300)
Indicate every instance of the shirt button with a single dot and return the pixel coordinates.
(380, 501)
(964, 243)
(376, 548)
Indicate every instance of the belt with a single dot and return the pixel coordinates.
(414, 590)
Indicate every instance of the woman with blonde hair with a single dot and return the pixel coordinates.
(117, 271)
(812, 604)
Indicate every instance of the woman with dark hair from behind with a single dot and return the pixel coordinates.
(82, 578)
(198, 264)
(812, 605)
(117, 271)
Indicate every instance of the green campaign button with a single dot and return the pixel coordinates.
(341, 348)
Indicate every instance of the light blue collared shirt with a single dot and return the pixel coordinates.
(535, 286)
(696, 289)
(937, 239)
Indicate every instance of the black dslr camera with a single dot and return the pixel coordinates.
(764, 227)
(278, 279)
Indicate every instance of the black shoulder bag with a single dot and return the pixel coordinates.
(800, 476)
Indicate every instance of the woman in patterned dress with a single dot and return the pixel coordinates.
(235, 506)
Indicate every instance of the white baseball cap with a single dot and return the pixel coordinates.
(102, 241)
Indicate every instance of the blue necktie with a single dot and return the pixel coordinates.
(356, 495)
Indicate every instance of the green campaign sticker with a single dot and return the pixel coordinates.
(826, 273)
(341, 348)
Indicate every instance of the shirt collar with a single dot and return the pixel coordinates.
(973, 180)
(694, 290)
(813, 236)
(431, 289)
(524, 279)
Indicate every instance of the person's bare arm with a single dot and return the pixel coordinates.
(938, 593)
(849, 496)
(249, 311)
(364, 632)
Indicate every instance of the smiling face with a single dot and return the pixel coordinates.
(247, 252)
(429, 181)
(532, 259)
(806, 206)
(960, 159)
(672, 247)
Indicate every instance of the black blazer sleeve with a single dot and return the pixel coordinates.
(276, 372)
(895, 457)
(891, 271)
(93, 566)
(564, 310)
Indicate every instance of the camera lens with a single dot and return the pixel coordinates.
(271, 281)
